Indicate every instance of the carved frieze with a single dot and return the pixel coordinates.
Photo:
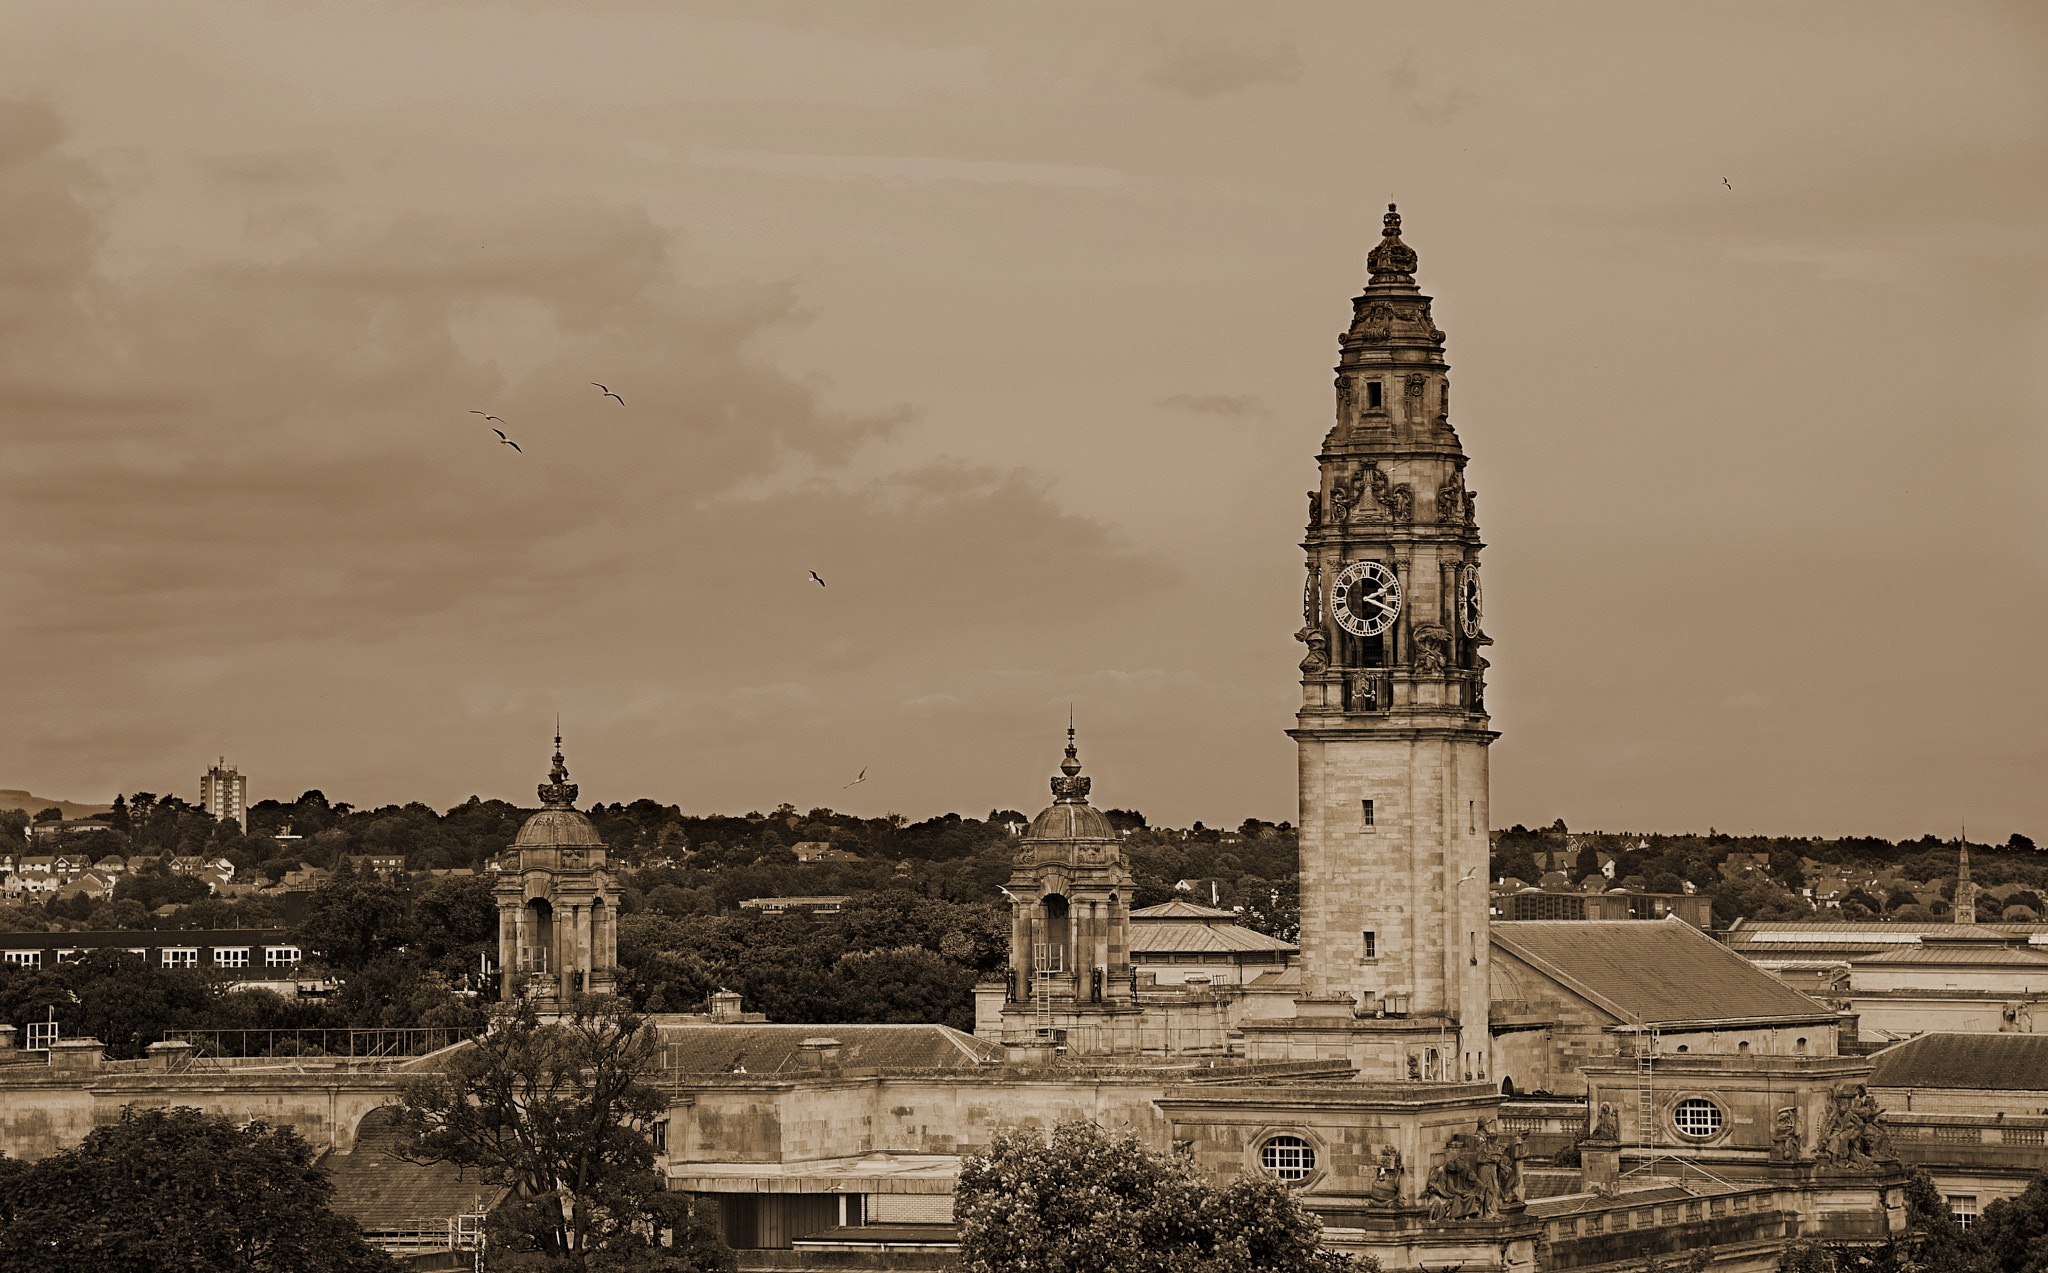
(1376, 324)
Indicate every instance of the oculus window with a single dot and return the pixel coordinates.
(1288, 1157)
(1696, 1116)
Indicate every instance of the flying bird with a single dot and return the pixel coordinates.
(857, 781)
(509, 442)
(1468, 875)
(609, 394)
(814, 575)
(501, 433)
(1724, 181)
(485, 414)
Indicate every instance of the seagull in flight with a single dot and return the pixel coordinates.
(1467, 876)
(609, 394)
(858, 781)
(509, 442)
(1724, 181)
(486, 415)
(814, 575)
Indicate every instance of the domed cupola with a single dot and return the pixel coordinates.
(558, 824)
(1070, 896)
(1069, 817)
(557, 936)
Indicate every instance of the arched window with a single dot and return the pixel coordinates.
(1288, 1157)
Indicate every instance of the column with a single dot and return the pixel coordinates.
(1098, 924)
(508, 947)
(1020, 953)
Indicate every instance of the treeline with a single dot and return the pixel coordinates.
(1766, 882)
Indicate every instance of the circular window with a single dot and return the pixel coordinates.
(1288, 1157)
(1697, 1117)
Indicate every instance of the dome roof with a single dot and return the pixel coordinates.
(1070, 817)
(1071, 822)
(558, 828)
(558, 825)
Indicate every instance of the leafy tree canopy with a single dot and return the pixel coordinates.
(1089, 1201)
(179, 1191)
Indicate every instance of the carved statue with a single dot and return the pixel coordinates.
(1368, 691)
(1399, 501)
(1414, 1066)
(1345, 491)
(1377, 323)
(1852, 1133)
(1432, 647)
(1607, 1123)
(1315, 509)
(1785, 1134)
(1318, 656)
(1450, 499)
(1385, 1189)
(1480, 1176)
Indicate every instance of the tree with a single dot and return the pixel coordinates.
(1090, 1201)
(562, 1113)
(353, 920)
(179, 1191)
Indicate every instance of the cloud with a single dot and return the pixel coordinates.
(1435, 110)
(1223, 404)
(903, 169)
(1204, 61)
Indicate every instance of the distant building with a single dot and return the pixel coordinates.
(224, 793)
(1531, 903)
(237, 950)
(810, 905)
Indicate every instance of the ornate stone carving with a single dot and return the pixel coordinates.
(1385, 1189)
(1315, 509)
(1785, 1134)
(1450, 499)
(1852, 1132)
(1312, 597)
(1416, 381)
(1432, 647)
(1318, 657)
(1345, 492)
(1376, 324)
(1345, 396)
(1391, 256)
(1471, 509)
(1480, 1177)
(1397, 501)
(1606, 1125)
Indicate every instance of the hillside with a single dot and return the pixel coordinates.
(14, 798)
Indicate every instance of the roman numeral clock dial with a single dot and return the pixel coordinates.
(1365, 598)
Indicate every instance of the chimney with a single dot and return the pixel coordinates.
(725, 1006)
(7, 1033)
(76, 1056)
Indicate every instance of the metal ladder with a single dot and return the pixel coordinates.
(1646, 1061)
(1041, 984)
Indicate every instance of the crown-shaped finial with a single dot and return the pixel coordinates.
(1392, 261)
(558, 792)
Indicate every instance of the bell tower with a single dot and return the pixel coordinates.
(1392, 732)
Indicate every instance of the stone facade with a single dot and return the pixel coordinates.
(557, 909)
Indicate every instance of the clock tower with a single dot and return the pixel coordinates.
(1393, 730)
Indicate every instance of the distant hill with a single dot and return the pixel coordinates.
(32, 805)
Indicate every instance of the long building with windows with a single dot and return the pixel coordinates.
(237, 950)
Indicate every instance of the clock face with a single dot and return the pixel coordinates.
(1468, 599)
(1365, 599)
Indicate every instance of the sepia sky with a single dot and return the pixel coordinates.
(1015, 323)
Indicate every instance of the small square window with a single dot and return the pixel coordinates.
(1374, 395)
(1963, 1206)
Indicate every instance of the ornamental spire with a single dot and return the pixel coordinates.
(1392, 261)
(558, 792)
(1070, 788)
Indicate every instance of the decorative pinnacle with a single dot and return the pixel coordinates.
(1392, 261)
(558, 792)
(1070, 789)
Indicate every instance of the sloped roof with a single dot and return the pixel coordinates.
(1985, 1062)
(765, 1049)
(1187, 937)
(1659, 970)
(1956, 956)
(1177, 909)
(379, 1190)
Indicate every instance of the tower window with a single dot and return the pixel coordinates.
(1374, 400)
(1371, 944)
(1365, 813)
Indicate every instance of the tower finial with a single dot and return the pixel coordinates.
(1392, 261)
(558, 792)
(1070, 788)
